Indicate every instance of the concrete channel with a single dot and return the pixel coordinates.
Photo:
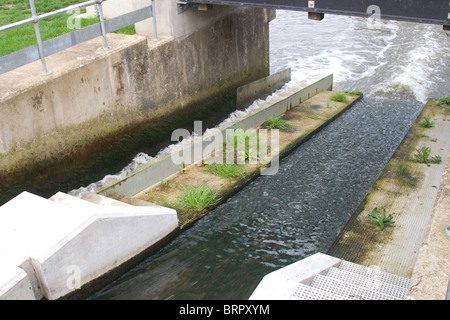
(64, 264)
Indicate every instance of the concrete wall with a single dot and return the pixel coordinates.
(93, 93)
(50, 248)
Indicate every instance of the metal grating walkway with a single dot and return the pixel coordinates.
(349, 281)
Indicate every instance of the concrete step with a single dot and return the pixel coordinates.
(348, 290)
(372, 272)
(371, 282)
(305, 292)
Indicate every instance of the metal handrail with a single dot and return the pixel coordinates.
(35, 18)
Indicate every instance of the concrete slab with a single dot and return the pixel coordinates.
(31, 225)
(281, 284)
(14, 284)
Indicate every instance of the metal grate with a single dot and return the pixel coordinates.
(349, 290)
(305, 292)
(373, 282)
(371, 272)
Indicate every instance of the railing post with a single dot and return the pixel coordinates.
(45, 71)
(102, 25)
(155, 32)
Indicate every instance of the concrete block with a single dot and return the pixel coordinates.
(280, 284)
(116, 236)
(63, 246)
(14, 284)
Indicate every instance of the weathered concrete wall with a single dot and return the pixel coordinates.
(93, 93)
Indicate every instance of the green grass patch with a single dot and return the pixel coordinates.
(422, 155)
(426, 123)
(357, 93)
(339, 97)
(227, 170)
(24, 36)
(197, 199)
(442, 101)
(276, 123)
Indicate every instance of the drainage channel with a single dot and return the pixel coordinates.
(276, 220)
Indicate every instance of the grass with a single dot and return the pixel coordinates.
(24, 36)
(442, 101)
(246, 145)
(426, 123)
(197, 199)
(339, 97)
(358, 93)
(276, 123)
(227, 170)
(381, 221)
(422, 155)
(401, 168)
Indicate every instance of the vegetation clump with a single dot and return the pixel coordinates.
(276, 123)
(381, 221)
(197, 199)
(422, 155)
(339, 97)
(442, 101)
(227, 170)
(358, 93)
(426, 123)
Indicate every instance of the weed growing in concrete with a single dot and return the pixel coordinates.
(197, 199)
(422, 155)
(245, 144)
(401, 168)
(227, 170)
(382, 221)
(276, 123)
(358, 93)
(426, 123)
(339, 97)
(442, 101)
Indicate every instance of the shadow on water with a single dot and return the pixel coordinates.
(276, 220)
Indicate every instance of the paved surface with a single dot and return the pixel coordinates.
(417, 247)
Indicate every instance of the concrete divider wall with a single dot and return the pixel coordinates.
(165, 167)
(93, 93)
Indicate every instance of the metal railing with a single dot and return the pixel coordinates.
(43, 49)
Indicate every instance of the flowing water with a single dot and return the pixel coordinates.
(278, 220)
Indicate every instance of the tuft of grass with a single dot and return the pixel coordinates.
(197, 199)
(227, 170)
(442, 101)
(401, 168)
(358, 93)
(276, 123)
(426, 123)
(422, 155)
(339, 97)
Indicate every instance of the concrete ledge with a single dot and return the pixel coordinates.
(280, 284)
(66, 245)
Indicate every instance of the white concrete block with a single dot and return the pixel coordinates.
(14, 284)
(280, 284)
